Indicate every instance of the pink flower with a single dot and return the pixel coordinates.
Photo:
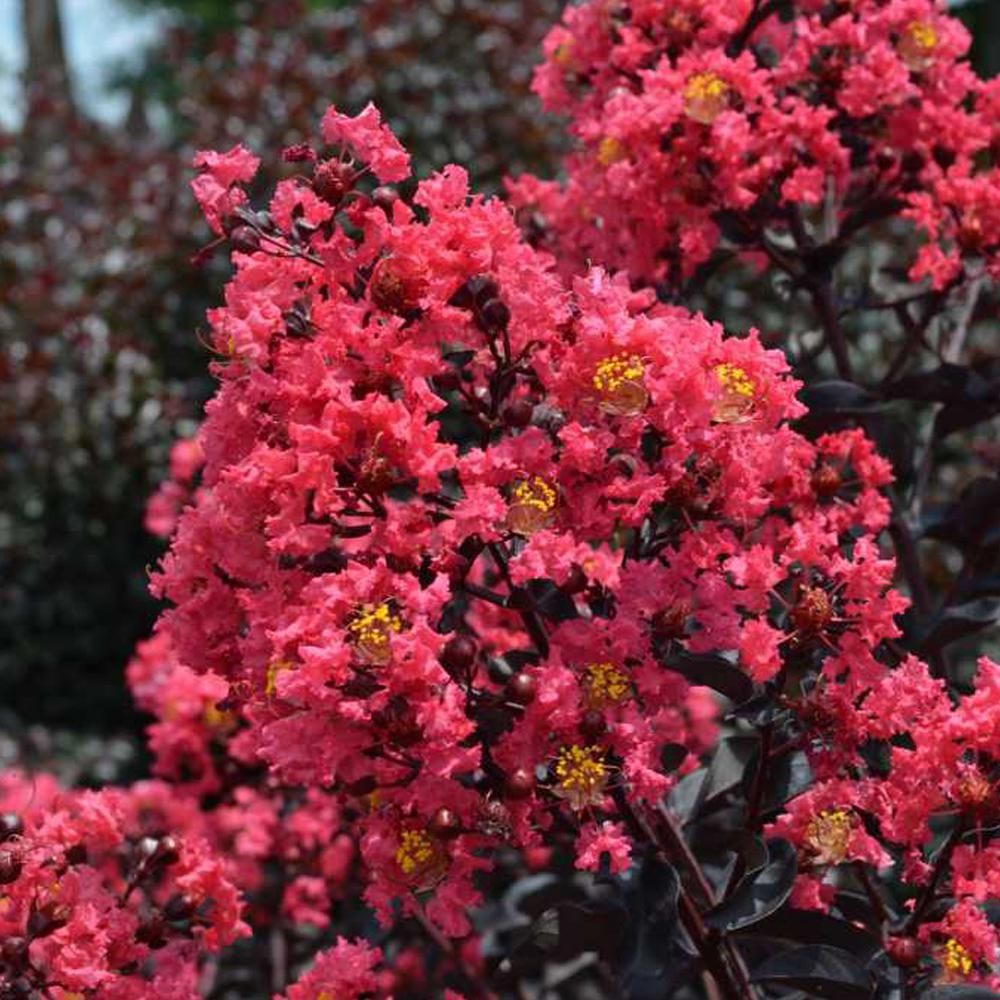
(370, 141)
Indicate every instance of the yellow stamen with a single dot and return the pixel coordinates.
(739, 394)
(706, 96)
(828, 836)
(918, 44)
(371, 629)
(619, 381)
(217, 719)
(420, 857)
(610, 150)
(415, 850)
(273, 669)
(532, 506)
(956, 959)
(563, 55)
(581, 775)
(605, 684)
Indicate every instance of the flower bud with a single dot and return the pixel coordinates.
(458, 656)
(385, 198)
(520, 784)
(519, 413)
(14, 952)
(444, 824)
(593, 724)
(521, 689)
(493, 315)
(244, 239)
(904, 951)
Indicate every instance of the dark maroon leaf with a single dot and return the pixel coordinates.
(820, 970)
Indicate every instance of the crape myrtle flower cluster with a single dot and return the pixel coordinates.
(471, 546)
(112, 894)
(423, 455)
(742, 123)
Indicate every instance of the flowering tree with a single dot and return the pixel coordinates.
(514, 596)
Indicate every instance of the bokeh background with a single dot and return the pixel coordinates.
(102, 105)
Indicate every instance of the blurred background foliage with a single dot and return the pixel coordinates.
(101, 366)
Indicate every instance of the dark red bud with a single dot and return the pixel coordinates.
(444, 824)
(493, 315)
(14, 952)
(521, 689)
(576, 581)
(244, 239)
(520, 783)
(458, 655)
(519, 413)
(904, 951)
(170, 850)
(593, 725)
(385, 198)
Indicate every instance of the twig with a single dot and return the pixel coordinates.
(451, 951)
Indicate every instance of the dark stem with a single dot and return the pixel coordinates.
(451, 951)
(532, 620)
(930, 890)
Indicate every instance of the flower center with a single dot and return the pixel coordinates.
(739, 394)
(956, 959)
(828, 835)
(419, 856)
(706, 96)
(605, 684)
(564, 56)
(371, 628)
(581, 775)
(974, 789)
(813, 611)
(273, 669)
(619, 383)
(610, 150)
(918, 44)
(532, 505)
(217, 719)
